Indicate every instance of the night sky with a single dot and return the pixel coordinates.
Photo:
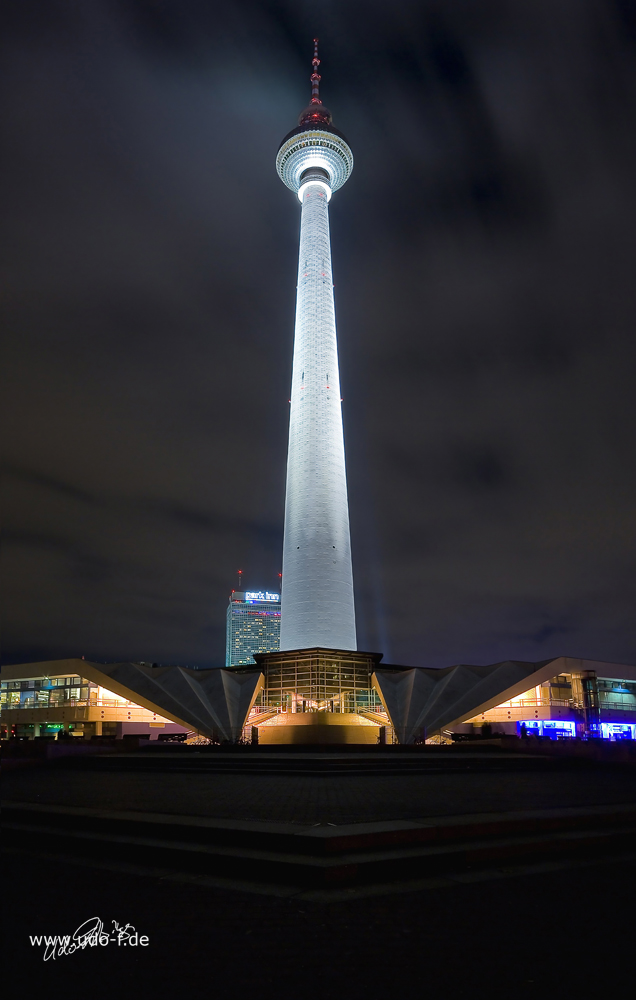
(483, 254)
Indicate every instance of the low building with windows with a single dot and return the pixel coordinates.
(65, 696)
(569, 704)
(88, 699)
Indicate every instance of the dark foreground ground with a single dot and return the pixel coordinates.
(442, 785)
(558, 928)
(562, 933)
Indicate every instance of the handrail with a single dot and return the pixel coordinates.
(32, 703)
(380, 720)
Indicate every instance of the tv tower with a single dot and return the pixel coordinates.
(317, 607)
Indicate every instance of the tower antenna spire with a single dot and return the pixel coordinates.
(315, 76)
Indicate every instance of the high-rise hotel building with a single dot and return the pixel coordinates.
(253, 626)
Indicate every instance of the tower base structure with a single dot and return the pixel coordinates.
(319, 696)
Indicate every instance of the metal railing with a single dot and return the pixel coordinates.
(535, 703)
(32, 703)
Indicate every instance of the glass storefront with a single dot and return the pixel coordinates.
(618, 731)
(554, 730)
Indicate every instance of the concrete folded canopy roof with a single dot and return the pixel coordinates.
(421, 700)
(215, 702)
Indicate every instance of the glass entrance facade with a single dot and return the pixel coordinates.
(319, 680)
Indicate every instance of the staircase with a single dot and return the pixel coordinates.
(323, 857)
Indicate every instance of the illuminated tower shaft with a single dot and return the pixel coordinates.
(317, 597)
(317, 607)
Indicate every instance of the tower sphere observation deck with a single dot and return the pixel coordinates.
(315, 148)
(317, 607)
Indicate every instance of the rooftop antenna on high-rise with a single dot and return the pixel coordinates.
(240, 576)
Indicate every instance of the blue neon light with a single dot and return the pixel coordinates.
(560, 726)
(618, 731)
(531, 727)
(551, 728)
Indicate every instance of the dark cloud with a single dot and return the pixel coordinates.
(484, 255)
